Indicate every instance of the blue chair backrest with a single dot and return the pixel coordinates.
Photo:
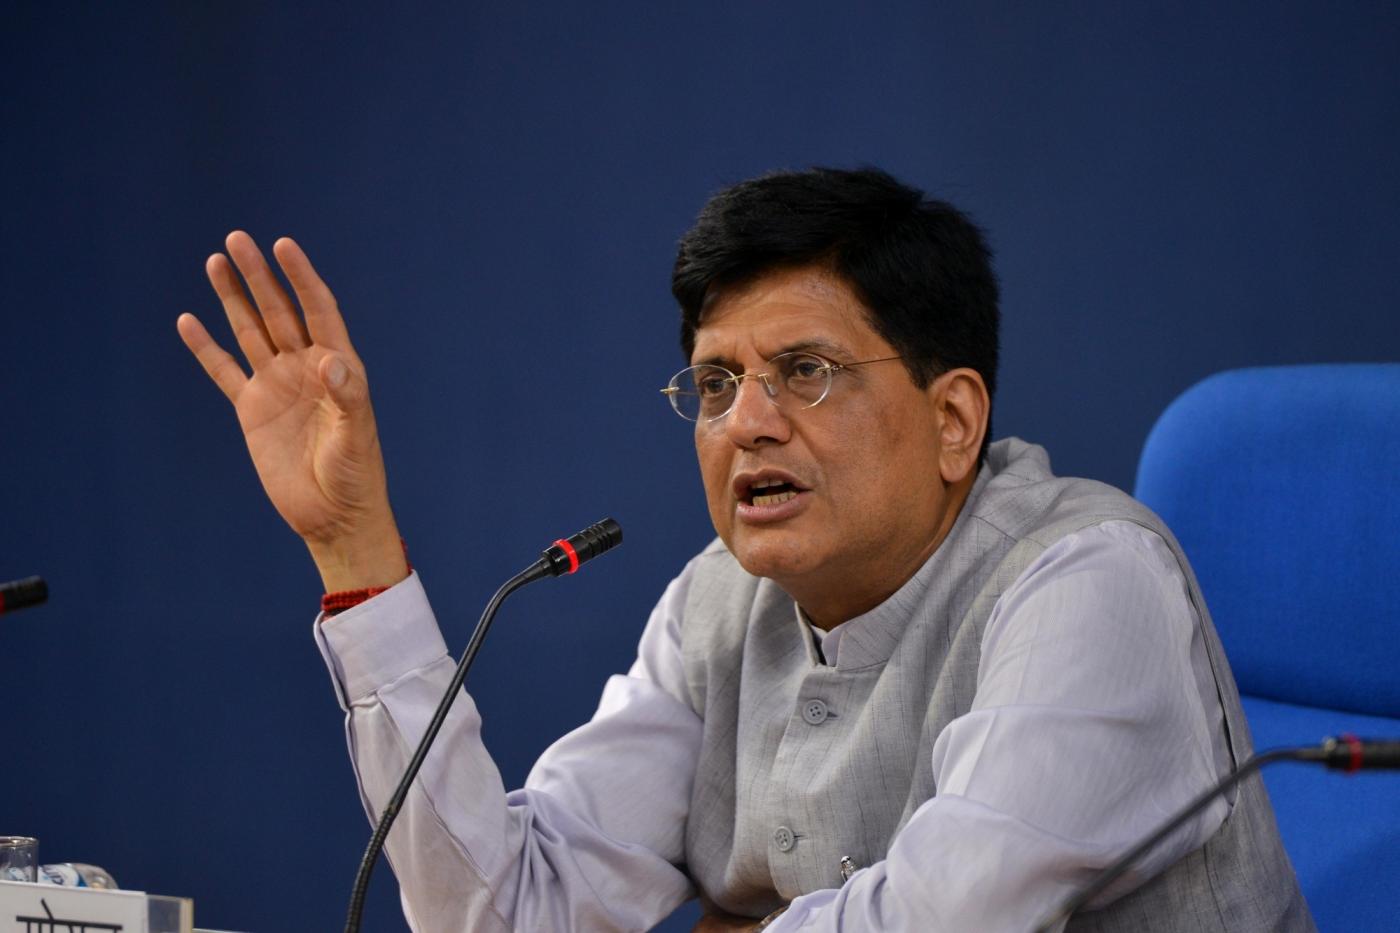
(1283, 486)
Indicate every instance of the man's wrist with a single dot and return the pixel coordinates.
(375, 563)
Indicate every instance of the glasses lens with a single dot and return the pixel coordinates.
(702, 393)
(805, 378)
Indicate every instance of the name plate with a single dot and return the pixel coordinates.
(49, 908)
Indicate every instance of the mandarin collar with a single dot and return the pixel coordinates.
(870, 639)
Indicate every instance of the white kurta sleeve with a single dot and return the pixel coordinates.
(593, 840)
(1095, 719)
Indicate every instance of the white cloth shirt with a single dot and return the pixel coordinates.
(593, 840)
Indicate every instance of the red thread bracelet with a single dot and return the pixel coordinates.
(332, 603)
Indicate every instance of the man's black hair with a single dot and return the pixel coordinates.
(919, 264)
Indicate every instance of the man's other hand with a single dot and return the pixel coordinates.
(305, 411)
(716, 920)
(725, 923)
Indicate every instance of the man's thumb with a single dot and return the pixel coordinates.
(346, 388)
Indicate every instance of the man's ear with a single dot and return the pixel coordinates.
(964, 406)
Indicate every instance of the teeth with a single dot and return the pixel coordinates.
(774, 499)
(764, 484)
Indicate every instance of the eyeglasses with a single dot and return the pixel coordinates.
(792, 381)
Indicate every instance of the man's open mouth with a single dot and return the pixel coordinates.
(771, 492)
(762, 493)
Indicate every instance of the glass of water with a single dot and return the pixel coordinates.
(19, 858)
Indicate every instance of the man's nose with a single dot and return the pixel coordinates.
(755, 416)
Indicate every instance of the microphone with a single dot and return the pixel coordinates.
(566, 554)
(31, 591)
(1350, 754)
(1342, 753)
(561, 557)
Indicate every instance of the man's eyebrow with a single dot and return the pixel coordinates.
(817, 345)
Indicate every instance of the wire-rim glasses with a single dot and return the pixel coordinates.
(792, 381)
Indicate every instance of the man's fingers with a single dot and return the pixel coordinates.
(248, 328)
(278, 314)
(323, 318)
(220, 366)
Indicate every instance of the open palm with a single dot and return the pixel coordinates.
(304, 411)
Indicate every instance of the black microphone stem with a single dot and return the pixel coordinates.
(1112, 872)
(538, 570)
(562, 557)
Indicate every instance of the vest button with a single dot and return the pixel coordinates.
(784, 839)
(814, 712)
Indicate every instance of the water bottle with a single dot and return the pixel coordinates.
(76, 875)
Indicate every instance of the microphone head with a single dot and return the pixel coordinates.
(567, 554)
(31, 591)
(597, 538)
(1350, 754)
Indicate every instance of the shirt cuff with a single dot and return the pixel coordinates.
(369, 646)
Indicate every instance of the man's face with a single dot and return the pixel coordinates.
(864, 463)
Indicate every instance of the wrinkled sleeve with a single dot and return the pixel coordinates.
(592, 842)
(1095, 718)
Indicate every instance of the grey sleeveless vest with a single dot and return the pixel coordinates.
(848, 787)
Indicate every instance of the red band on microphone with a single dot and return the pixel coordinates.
(569, 549)
(1354, 745)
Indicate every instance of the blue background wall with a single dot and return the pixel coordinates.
(495, 193)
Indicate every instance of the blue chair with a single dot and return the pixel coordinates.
(1283, 486)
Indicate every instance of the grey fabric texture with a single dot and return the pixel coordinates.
(847, 788)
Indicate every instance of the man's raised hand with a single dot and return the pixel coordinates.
(305, 411)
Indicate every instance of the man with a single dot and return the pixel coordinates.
(918, 683)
